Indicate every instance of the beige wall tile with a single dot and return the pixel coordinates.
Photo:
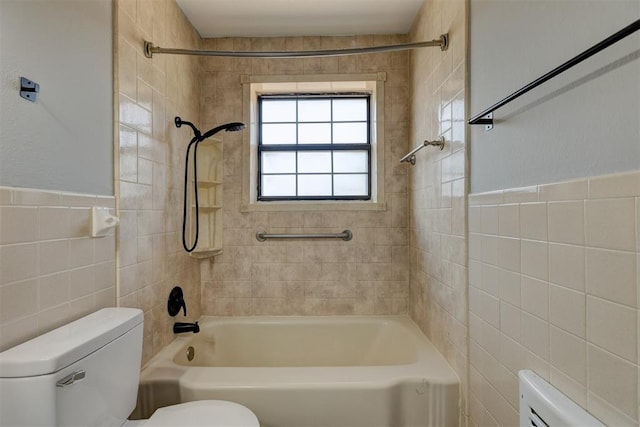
(562, 191)
(31, 197)
(511, 354)
(53, 290)
(53, 223)
(510, 287)
(18, 224)
(489, 249)
(79, 219)
(610, 223)
(488, 198)
(81, 252)
(534, 259)
(509, 254)
(490, 309)
(616, 185)
(566, 222)
(510, 321)
(567, 310)
(490, 280)
(5, 196)
(18, 262)
(521, 195)
(53, 256)
(535, 297)
(509, 220)
(613, 379)
(567, 266)
(533, 221)
(612, 275)
(19, 331)
(612, 327)
(489, 219)
(535, 335)
(81, 282)
(18, 300)
(568, 353)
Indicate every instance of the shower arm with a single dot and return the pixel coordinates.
(442, 42)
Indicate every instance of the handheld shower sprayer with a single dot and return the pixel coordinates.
(198, 137)
(229, 127)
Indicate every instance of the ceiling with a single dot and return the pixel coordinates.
(269, 18)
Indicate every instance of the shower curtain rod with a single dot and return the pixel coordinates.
(442, 42)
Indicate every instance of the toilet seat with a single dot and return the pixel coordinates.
(203, 413)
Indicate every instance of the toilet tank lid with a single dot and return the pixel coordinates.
(61, 347)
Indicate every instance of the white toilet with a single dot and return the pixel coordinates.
(86, 374)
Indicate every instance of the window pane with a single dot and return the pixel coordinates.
(278, 110)
(350, 185)
(278, 162)
(314, 185)
(349, 133)
(349, 110)
(314, 110)
(297, 170)
(350, 161)
(314, 161)
(314, 133)
(278, 185)
(279, 134)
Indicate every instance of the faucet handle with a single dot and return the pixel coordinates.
(176, 302)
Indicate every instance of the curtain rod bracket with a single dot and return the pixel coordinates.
(148, 49)
(444, 42)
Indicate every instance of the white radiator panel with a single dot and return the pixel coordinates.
(542, 405)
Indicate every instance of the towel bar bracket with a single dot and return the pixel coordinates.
(487, 121)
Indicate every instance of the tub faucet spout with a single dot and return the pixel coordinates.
(181, 327)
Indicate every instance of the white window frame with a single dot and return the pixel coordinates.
(254, 85)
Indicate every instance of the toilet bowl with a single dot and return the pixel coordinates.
(86, 374)
(201, 413)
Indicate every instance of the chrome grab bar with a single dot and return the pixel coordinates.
(346, 235)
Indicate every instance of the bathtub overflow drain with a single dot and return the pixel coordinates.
(190, 353)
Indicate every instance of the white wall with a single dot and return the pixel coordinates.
(583, 123)
(63, 141)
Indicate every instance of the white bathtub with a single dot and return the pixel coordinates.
(346, 371)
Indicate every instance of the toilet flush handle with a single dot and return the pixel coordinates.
(71, 379)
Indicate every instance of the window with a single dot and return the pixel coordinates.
(314, 147)
(332, 159)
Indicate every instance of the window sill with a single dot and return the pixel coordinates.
(301, 206)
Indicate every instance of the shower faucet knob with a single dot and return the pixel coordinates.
(176, 302)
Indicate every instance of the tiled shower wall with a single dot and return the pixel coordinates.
(364, 276)
(437, 186)
(51, 270)
(554, 282)
(150, 163)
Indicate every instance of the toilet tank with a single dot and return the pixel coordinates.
(82, 374)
